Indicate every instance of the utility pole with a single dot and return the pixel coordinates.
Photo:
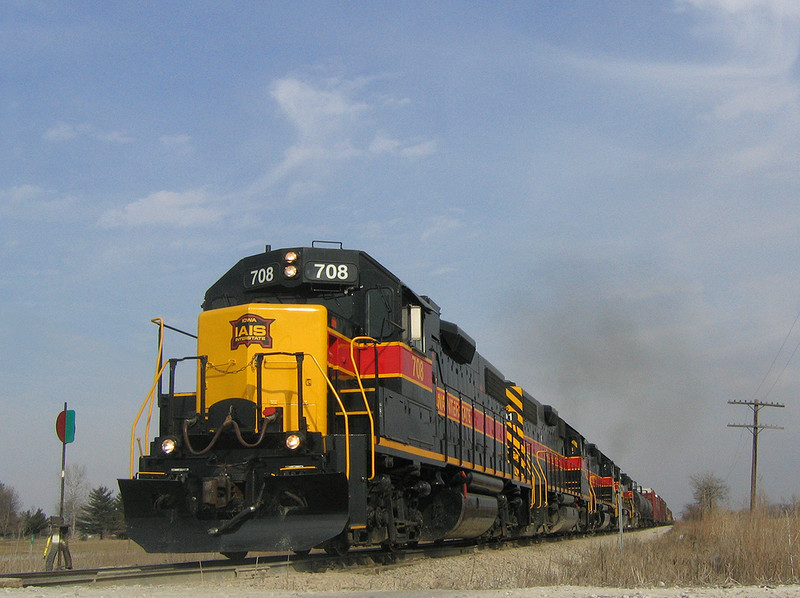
(755, 428)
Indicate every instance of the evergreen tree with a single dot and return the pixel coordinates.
(118, 524)
(33, 523)
(98, 515)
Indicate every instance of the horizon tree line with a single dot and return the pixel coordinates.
(87, 512)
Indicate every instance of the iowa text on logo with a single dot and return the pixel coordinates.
(251, 329)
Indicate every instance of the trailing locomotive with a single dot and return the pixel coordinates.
(333, 407)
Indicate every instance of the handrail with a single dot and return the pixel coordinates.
(539, 475)
(160, 367)
(592, 493)
(344, 412)
(160, 323)
(366, 339)
(148, 399)
(258, 360)
(544, 473)
(159, 370)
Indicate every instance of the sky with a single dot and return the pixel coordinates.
(604, 195)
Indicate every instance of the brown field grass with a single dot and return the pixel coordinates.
(725, 549)
(19, 555)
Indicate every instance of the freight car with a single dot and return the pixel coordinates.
(331, 406)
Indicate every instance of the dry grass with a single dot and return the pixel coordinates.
(729, 548)
(20, 555)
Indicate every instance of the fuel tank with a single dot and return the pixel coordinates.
(451, 513)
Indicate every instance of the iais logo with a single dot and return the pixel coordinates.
(251, 329)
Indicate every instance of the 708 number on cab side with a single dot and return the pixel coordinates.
(331, 272)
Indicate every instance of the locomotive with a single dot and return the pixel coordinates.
(331, 406)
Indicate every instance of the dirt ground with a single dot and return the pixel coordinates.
(487, 573)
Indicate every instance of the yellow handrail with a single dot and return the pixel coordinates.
(534, 473)
(159, 370)
(344, 412)
(148, 399)
(544, 475)
(592, 493)
(365, 339)
(160, 323)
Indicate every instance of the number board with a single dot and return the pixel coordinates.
(334, 272)
(328, 272)
(261, 276)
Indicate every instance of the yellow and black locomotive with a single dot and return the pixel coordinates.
(333, 407)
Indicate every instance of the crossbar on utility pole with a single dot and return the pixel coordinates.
(755, 428)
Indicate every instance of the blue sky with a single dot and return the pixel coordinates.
(604, 195)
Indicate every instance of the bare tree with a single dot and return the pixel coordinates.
(709, 492)
(9, 509)
(76, 491)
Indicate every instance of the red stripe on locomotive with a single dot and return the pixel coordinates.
(394, 359)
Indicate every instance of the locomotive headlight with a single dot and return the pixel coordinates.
(169, 445)
(290, 271)
(293, 442)
(290, 257)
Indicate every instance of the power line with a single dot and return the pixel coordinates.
(774, 359)
(785, 365)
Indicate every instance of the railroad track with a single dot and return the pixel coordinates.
(226, 568)
(117, 575)
(250, 567)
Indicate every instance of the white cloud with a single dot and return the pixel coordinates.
(21, 193)
(315, 112)
(31, 202)
(383, 144)
(180, 144)
(753, 71)
(786, 8)
(440, 225)
(735, 106)
(113, 137)
(63, 131)
(332, 120)
(165, 208)
(425, 148)
(766, 99)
